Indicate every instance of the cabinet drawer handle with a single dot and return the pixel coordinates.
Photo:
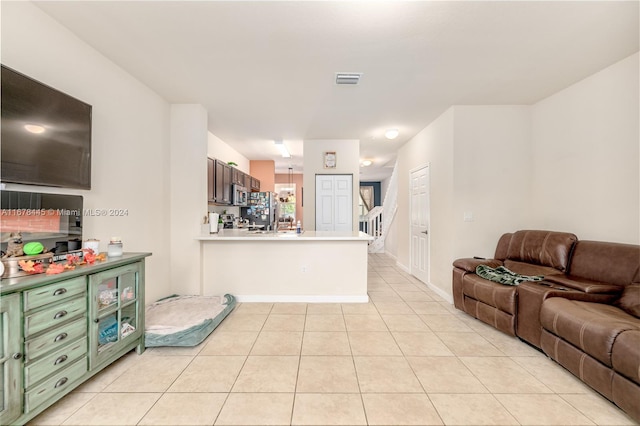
(59, 291)
(60, 360)
(60, 314)
(60, 336)
(61, 382)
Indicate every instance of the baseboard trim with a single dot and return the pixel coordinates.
(446, 296)
(249, 298)
(403, 267)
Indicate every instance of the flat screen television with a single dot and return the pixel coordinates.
(46, 134)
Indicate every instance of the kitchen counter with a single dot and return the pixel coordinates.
(246, 235)
(315, 266)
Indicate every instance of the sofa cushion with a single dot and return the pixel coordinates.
(591, 327)
(546, 248)
(611, 263)
(626, 355)
(630, 300)
(493, 294)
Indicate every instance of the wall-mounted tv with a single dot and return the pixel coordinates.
(46, 134)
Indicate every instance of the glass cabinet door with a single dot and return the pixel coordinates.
(10, 359)
(115, 307)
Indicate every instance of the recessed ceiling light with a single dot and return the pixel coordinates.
(367, 163)
(391, 133)
(34, 128)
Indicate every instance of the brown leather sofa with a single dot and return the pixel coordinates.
(599, 342)
(524, 252)
(585, 314)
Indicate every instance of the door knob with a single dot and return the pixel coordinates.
(425, 232)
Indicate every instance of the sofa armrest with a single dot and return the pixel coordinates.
(584, 285)
(470, 265)
(606, 298)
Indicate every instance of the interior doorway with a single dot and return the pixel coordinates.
(419, 214)
(334, 202)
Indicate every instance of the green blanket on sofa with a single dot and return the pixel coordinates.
(504, 276)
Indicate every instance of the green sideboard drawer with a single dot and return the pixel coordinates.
(54, 385)
(55, 339)
(36, 371)
(54, 315)
(54, 293)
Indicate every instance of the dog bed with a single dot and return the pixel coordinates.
(185, 320)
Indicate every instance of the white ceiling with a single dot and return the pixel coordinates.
(265, 70)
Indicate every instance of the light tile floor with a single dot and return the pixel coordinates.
(406, 358)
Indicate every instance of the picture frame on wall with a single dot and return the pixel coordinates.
(330, 160)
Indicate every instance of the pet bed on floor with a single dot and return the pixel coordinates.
(185, 320)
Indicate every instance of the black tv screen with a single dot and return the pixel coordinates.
(46, 135)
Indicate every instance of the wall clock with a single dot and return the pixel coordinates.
(330, 160)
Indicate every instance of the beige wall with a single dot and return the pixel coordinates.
(492, 175)
(348, 162)
(432, 146)
(568, 163)
(188, 186)
(220, 150)
(585, 157)
(130, 135)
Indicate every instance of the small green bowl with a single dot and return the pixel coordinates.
(33, 248)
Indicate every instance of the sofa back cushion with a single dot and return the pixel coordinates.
(503, 246)
(612, 263)
(545, 248)
(630, 300)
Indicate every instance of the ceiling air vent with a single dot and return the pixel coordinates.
(348, 77)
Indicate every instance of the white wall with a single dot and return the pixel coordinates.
(130, 142)
(433, 146)
(585, 157)
(220, 150)
(492, 175)
(188, 171)
(479, 162)
(347, 162)
(568, 163)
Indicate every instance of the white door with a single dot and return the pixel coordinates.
(334, 202)
(420, 223)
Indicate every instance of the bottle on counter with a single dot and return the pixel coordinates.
(298, 228)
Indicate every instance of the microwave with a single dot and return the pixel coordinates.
(238, 195)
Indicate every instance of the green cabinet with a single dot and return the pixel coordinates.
(116, 312)
(58, 331)
(55, 340)
(11, 386)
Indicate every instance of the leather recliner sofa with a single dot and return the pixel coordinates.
(585, 314)
(599, 341)
(524, 252)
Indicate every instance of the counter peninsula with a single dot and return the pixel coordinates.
(315, 266)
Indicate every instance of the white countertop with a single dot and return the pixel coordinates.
(245, 235)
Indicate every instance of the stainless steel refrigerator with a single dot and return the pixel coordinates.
(261, 209)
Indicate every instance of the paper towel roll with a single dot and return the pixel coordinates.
(213, 223)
